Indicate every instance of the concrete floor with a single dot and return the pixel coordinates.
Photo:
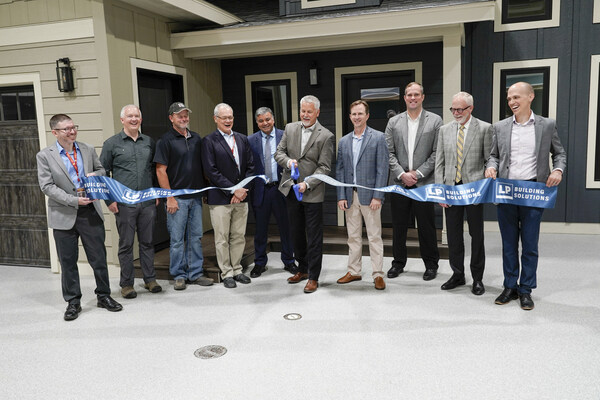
(411, 341)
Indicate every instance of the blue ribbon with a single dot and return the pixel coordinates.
(105, 188)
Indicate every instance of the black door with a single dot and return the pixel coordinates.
(384, 92)
(157, 90)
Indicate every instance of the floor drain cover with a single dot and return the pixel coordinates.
(292, 316)
(213, 351)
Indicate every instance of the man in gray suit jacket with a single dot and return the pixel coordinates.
(412, 141)
(309, 147)
(362, 160)
(71, 214)
(521, 146)
(463, 148)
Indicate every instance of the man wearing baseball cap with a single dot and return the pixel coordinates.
(179, 166)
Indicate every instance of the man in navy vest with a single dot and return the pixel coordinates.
(266, 199)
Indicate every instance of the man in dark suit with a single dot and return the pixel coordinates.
(463, 148)
(309, 147)
(362, 160)
(72, 215)
(521, 146)
(412, 141)
(265, 197)
(227, 159)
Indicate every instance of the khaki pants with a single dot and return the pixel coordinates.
(354, 217)
(229, 224)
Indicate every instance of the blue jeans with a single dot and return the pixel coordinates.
(519, 222)
(185, 229)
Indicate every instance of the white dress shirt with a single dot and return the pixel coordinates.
(523, 161)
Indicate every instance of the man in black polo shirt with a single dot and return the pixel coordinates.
(179, 166)
(127, 156)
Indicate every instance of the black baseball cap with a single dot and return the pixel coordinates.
(177, 107)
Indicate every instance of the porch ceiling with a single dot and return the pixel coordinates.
(393, 27)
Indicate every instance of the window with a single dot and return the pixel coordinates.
(541, 74)
(596, 19)
(17, 104)
(324, 3)
(526, 14)
(593, 148)
(278, 91)
(537, 77)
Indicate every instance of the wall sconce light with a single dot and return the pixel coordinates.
(313, 73)
(64, 75)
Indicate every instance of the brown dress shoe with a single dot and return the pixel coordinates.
(379, 283)
(299, 276)
(349, 278)
(311, 286)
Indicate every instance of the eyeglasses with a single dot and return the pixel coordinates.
(458, 110)
(225, 118)
(73, 128)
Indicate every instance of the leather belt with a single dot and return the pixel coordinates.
(271, 184)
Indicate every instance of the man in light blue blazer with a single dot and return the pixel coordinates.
(72, 215)
(266, 199)
(521, 148)
(412, 141)
(362, 160)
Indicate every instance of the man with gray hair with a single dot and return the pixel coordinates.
(308, 146)
(265, 197)
(227, 160)
(463, 148)
(127, 156)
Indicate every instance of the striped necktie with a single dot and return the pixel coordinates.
(268, 167)
(460, 144)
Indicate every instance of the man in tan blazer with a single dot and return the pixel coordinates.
(463, 148)
(309, 147)
(71, 214)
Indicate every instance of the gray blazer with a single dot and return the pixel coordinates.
(546, 142)
(396, 135)
(56, 183)
(316, 159)
(371, 167)
(476, 151)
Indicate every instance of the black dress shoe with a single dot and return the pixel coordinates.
(478, 289)
(395, 271)
(258, 270)
(454, 281)
(292, 268)
(429, 274)
(526, 302)
(229, 283)
(241, 278)
(506, 296)
(109, 303)
(72, 312)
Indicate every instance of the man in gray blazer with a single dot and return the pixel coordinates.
(412, 141)
(521, 146)
(309, 147)
(463, 148)
(71, 214)
(362, 160)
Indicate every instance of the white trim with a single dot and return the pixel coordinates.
(566, 228)
(154, 66)
(205, 10)
(596, 19)
(249, 79)
(592, 159)
(34, 79)
(339, 72)
(380, 29)
(516, 26)
(324, 3)
(553, 89)
(53, 31)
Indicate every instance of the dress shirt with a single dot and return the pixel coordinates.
(70, 168)
(356, 145)
(230, 139)
(273, 144)
(465, 129)
(129, 161)
(306, 132)
(523, 163)
(413, 127)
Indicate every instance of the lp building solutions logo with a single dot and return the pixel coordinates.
(435, 193)
(504, 191)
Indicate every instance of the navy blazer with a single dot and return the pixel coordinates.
(258, 188)
(220, 167)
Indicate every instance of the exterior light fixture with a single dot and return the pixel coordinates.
(64, 75)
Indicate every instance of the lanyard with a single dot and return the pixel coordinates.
(74, 162)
